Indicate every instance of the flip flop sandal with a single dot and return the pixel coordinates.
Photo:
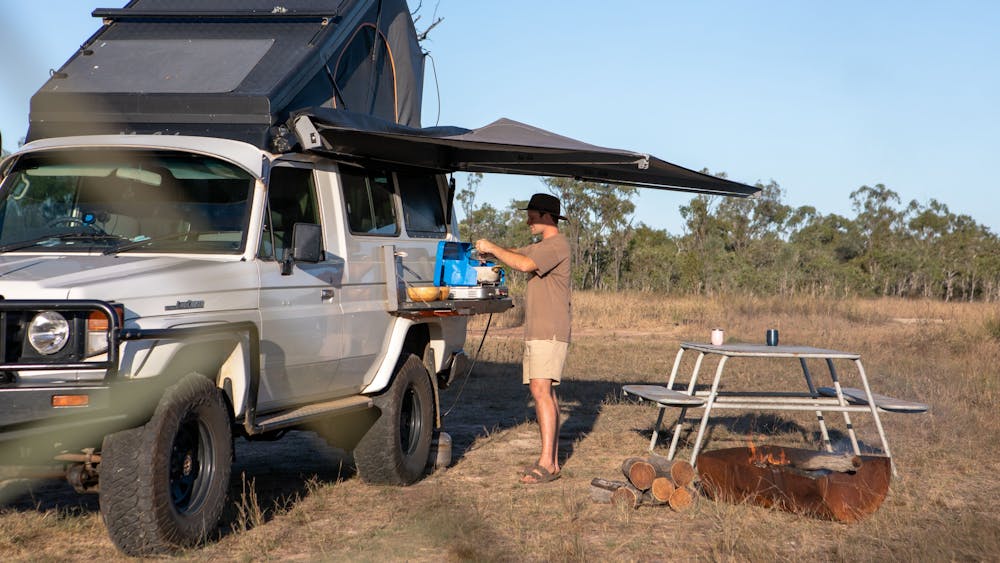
(527, 470)
(540, 475)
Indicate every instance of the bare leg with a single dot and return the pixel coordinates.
(547, 412)
(555, 436)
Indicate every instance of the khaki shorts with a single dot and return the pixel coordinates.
(544, 359)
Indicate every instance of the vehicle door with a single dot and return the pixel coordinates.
(301, 318)
(375, 220)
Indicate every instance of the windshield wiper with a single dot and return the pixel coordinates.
(56, 238)
(152, 240)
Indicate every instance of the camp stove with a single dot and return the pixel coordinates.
(455, 267)
(479, 291)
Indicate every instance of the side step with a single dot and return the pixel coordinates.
(300, 415)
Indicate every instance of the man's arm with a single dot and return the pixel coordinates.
(515, 260)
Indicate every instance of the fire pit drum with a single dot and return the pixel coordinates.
(730, 475)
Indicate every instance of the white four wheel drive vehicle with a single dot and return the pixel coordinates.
(212, 232)
(163, 294)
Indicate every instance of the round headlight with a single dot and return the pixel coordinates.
(48, 332)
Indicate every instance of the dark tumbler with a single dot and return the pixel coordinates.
(772, 337)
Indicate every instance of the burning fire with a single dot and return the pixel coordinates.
(759, 458)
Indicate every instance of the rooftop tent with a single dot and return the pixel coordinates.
(504, 146)
(233, 68)
(342, 77)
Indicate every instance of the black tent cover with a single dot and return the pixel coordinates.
(504, 146)
(233, 68)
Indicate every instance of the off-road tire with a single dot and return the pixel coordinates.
(396, 448)
(163, 485)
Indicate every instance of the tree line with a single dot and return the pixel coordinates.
(761, 245)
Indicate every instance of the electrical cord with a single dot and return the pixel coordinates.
(468, 375)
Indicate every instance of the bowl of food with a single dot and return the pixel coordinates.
(423, 293)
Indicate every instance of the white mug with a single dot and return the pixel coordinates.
(718, 337)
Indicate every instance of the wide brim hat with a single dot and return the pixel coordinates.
(545, 203)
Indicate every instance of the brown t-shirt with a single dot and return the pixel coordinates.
(547, 299)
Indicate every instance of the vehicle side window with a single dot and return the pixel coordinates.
(291, 200)
(368, 195)
(423, 208)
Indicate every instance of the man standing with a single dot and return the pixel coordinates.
(547, 322)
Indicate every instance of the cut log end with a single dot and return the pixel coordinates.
(627, 496)
(681, 499)
(639, 472)
(661, 489)
(680, 472)
(649, 499)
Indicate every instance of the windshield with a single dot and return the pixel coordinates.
(106, 200)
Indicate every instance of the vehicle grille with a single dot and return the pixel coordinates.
(11, 336)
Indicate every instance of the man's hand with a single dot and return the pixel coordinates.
(485, 247)
(513, 259)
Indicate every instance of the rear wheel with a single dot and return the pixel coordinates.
(396, 448)
(163, 485)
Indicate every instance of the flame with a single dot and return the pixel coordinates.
(769, 458)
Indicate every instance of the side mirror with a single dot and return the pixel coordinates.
(307, 246)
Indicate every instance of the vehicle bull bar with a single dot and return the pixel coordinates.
(118, 334)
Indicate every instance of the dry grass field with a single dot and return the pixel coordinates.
(298, 499)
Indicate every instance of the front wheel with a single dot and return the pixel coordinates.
(163, 485)
(396, 448)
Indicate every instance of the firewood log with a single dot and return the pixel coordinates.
(601, 490)
(639, 472)
(681, 499)
(812, 461)
(661, 489)
(627, 496)
(650, 499)
(680, 472)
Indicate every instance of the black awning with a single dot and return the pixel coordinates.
(504, 146)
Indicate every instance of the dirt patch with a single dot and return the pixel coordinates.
(916, 320)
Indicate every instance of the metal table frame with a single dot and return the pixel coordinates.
(811, 401)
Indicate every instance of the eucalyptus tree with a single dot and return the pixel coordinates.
(599, 229)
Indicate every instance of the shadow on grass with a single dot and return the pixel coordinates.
(270, 478)
(282, 473)
(760, 428)
(493, 399)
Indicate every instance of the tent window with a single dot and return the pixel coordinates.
(364, 75)
(423, 208)
(368, 196)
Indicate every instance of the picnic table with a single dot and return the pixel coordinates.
(837, 398)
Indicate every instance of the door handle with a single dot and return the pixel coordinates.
(327, 295)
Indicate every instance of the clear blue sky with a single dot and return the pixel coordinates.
(821, 97)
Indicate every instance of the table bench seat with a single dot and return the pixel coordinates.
(662, 395)
(889, 404)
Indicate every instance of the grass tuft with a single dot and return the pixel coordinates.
(992, 327)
